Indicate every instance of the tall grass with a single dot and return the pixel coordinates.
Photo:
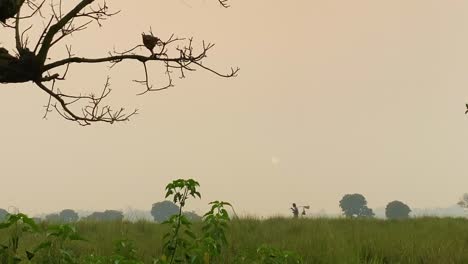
(423, 240)
(320, 240)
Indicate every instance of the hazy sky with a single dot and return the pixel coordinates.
(333, 97)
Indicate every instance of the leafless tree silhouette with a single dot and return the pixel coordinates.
(29, 61)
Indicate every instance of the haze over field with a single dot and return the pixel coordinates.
(333, 97)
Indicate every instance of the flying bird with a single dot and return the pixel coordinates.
(466, 112)
(150, 42)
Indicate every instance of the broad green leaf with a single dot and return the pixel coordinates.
(43, 245)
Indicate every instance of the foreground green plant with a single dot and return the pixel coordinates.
(271, 255)
(181, 244)
(124, 253)
(215, 224)
(18, 224)
(180, 235)
(55, 245)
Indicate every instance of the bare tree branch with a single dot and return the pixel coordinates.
(224, 3)
(92, 112)
(26, 65)
(49, 36)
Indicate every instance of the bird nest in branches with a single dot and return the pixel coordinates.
(22, 68)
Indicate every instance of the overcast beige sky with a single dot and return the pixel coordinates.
(333, 97)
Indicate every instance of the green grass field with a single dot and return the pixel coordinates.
(421, 240)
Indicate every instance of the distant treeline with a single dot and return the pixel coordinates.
(160, 212)
(352, 205)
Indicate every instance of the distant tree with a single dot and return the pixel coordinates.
(463, 202)
(397, 210)
(162, 211)
(113, 215)
(108, 215)
(355, 205)
(192, 216)
(52, 218)
(96, 216)
(68, 216)
(3, 214)
(366, 212)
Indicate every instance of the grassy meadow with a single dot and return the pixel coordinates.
(316, 240)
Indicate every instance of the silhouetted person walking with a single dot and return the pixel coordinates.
(295, 210)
